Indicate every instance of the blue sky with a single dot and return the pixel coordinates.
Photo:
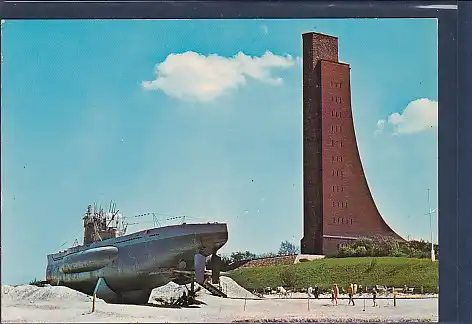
(215, 135)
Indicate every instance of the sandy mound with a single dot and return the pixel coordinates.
(29, 293)
(233, 290)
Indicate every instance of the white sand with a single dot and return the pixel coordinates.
(228, 286)
(32, 294)
(60, 304)
(233, 290)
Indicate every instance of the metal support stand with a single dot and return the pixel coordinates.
(99, 281)
(192, 286)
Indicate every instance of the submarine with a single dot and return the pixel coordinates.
(125, 268)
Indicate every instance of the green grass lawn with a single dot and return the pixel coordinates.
(366, 271)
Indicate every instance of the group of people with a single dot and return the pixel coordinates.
(351, 291)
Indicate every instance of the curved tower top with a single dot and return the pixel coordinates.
(338, 205)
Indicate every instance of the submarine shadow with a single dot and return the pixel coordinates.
(196, 306)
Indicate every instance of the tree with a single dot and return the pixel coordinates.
(287, 248)
(267, 255)
(240, 256)
(226, 260)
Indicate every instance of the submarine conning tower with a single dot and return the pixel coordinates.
(100, 225)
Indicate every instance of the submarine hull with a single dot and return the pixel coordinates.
(132, 265)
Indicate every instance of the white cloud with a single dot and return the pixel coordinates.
(419, 115)
(264, 29)
(192, 76)
(380, 126)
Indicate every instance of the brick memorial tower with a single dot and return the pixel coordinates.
(338, 205)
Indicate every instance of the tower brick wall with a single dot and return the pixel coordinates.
(338, 205)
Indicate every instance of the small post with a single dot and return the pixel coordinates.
(395, 299)
(245, 299)
(308, 303)
(94, 299)
(364, 305)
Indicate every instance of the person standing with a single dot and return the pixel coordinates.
(317, 292)
(336, 293)
(374, 296)
(310, 292)
(350, 292)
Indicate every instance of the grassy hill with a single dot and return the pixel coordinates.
(366, 271)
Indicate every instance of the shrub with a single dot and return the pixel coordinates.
(386, 246)
(287, 275)
(346, 251)
(361, 251)
(36, 282)
(367, 243)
